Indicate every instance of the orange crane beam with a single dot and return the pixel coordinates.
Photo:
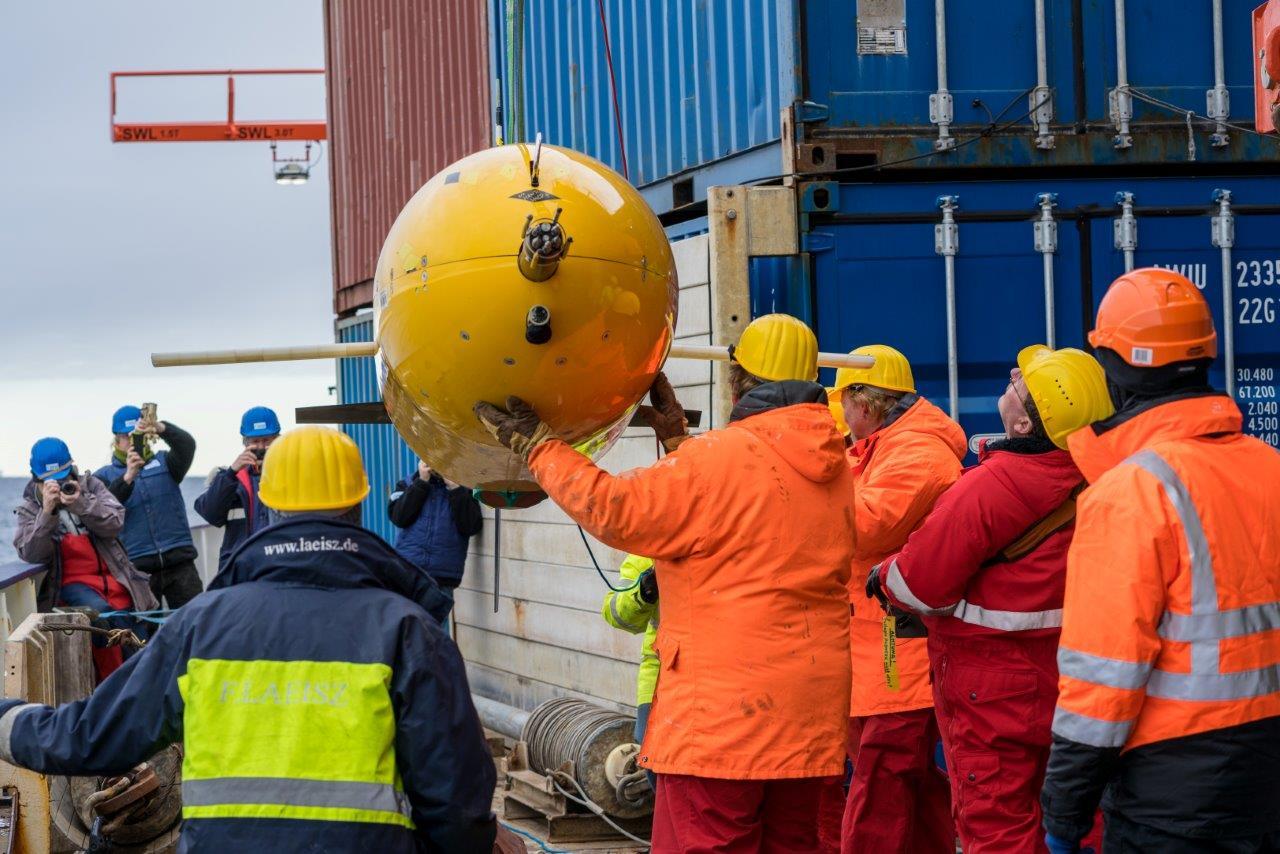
(216, 131)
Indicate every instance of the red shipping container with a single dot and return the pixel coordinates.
(1266, 66)
(408, 94)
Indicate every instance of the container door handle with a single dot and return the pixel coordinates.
(1046, 243)
(946, 242)
(1224, 237)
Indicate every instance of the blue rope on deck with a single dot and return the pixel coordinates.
(157, 616)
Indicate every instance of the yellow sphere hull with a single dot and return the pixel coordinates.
(452, 308)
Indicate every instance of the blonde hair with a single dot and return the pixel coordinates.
(880, 402)
(742, 381)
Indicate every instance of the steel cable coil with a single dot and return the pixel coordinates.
(567, 730)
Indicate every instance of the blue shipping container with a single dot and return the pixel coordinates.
(386, 457)
(701, 84)
(879, 275)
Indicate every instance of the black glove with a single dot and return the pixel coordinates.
(874, 588)
(666, 415)
(518, 428)
(907, 624)
(648, 586)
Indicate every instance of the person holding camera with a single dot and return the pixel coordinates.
(436, 519)
(231, 500)
(156, 533)
(69, 523)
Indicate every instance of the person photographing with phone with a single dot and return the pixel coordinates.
(156, 533)
(231, 500)
(69, 523)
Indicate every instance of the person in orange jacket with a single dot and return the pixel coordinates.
(906, 452)
(750, 527)
(1169, 688)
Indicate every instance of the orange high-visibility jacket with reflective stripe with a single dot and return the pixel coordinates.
(1171, 624)
(751, 530)
(899, 471)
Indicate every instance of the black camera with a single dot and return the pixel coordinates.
(259, 453)
(70, 484)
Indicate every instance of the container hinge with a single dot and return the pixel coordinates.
(1040, 102)
(941, 113)
(1121, 101)
(1124, 229)
(810, 111)
(1046, 228)
(1218, 108)
(946, 234)
(1224, 224)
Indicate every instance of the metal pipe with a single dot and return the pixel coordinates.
(941, 110)
(1120, 97)
(1224, 237)
(264, 354)
(499, 717)
(721, 354)
(370, 348)
(1124, 229)
(1046, 243)
(946, 242)
(1218, 99)
(1041, 98)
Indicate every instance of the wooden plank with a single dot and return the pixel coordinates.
(549, 542)
(692, 260)
(695, 311)
(551, 583)
(527, 692)
(566, 628)
(598, 676)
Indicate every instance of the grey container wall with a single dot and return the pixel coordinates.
(730, 91)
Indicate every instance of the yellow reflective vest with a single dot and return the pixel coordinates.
(627, 611)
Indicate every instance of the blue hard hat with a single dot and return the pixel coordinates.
(259, 421)
(50, 459)
(125, 419)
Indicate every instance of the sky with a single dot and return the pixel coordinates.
(109, 252)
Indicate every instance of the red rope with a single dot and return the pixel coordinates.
(613, 87)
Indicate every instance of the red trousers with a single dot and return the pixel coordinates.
(995, 699)
(702, 815)
(898, 798)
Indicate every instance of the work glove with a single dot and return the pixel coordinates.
(518, 428)
(665, 415)
(1060, 846)
(647, 583)
(906, 624)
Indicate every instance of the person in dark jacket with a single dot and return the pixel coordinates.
(68, 522)
(231, 500)
(156, 533)
(320, 704)
(436, 520)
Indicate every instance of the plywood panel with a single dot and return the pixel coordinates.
(566, 628)
(600, 676)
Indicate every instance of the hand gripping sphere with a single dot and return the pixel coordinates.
(523, 270)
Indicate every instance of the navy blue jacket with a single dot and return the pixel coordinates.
(155, 522)
(287, 596)
(435, 523)
(224, 504)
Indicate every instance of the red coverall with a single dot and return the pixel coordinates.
(993, 634)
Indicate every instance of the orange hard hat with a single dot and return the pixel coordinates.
(1152, 317)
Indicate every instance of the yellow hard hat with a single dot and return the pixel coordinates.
(312, 468)
(1068, 388)
(837, 410)
(778, 347)
(891, 371)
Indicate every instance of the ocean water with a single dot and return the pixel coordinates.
(11, 496)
